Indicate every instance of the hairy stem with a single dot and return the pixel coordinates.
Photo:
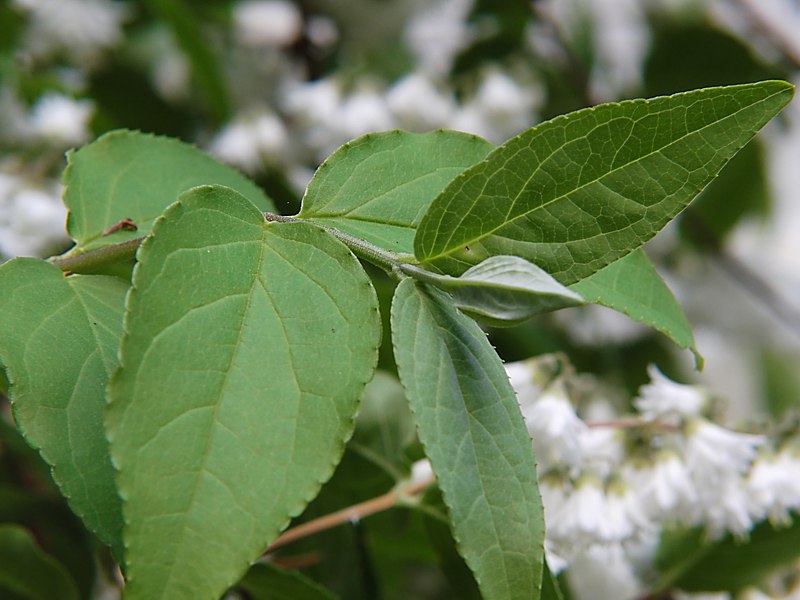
(389, 261)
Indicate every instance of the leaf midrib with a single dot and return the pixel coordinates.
(448, 248)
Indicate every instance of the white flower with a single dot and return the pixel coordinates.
(31, 219)
(603, 573)
(436, 34)
(80, 27)
(602, 448)
(421, 471)
(726, 508)
(663, 397)
(249, 142)
(773, 486)
(715, 454)
(418, 105)
(666, 488)
(61, 119)
(581, 517)
(555, 428)
(505, 104)
(623, 516)
(267, 22)
(363, 112)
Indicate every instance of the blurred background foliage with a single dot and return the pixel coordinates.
(273, 86)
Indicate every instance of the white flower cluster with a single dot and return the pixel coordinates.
(611, 483)
(31, 217)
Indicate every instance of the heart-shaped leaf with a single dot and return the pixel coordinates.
(247, 346)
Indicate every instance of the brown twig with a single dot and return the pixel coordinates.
(352, 513)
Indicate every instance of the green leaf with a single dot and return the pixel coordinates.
(265, 581)
(632, 286)
(378, 186)
(132, 175)
(247, 346)
(550, 588)
(691, 563)
(472, 429)
(502, 290)
(58, 339)
(28, 572)
(578, 192)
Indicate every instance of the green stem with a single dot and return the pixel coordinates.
(395, 264)
(91, 261)
(385, 259)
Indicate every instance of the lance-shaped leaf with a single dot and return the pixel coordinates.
(474, 435)
(578, 192)
(247, 345)
(502, 290)
(58, 341)
(378, 186)
(132, 175)
(632, 286)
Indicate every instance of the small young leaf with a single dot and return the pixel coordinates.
(502, 290)
(472, 429)
(28, 572)
(578, 192)
(378, 186)
(132, 175)
(632, 286)
(58, 340)
(247, 346)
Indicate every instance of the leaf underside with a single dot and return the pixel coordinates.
(472, 429)
(58, 341)
(247, 345)
(582, 190)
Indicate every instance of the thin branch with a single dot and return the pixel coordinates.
(355, 512)
(88, 262)
(633, 423)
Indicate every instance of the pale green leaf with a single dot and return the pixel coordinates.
(578, 192)
(378, 186)
(247, 346)
(632, 286)
(28, 572)
(58, 341)
(502, 290)
(474, 435)
(132, 175)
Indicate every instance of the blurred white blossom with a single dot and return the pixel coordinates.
(267, 22)
(250, 142)
(80, 28)
(662, 397)
(31, 218)
(61, 119)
